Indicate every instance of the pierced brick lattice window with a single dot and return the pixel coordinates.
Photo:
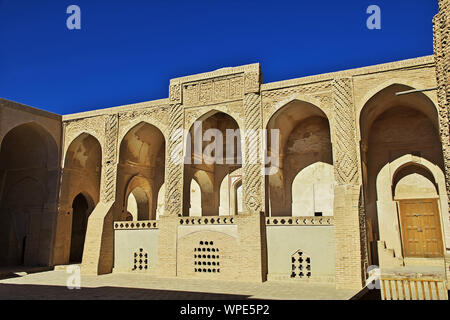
(301, 265)
(206, 258)
(140, 260)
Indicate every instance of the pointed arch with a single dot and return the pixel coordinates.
(29, 162)
(80, 193)
(392, 127)
(224, 149)
(141, 169)
(304, 138)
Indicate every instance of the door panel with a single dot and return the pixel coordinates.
(421, 230)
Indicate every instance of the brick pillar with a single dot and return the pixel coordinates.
(253, 177)
(167, 245)
(441, 30)
(349, 225)
(253, 248)
(251, 225)
(98, 254)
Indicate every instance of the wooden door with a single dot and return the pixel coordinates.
(421, 228)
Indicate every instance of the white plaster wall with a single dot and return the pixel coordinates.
(317, 241)
(415, 186)
(126, 242)
(313, 190)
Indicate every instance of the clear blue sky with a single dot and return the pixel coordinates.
(126, 51)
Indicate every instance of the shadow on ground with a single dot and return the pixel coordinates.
(374, 294)
(42, 292)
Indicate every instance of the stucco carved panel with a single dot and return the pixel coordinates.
(212, 91)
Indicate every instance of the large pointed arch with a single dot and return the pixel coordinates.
(141, 169)
(226, 141)
(29, 161)
(304, 139)
(392, 127)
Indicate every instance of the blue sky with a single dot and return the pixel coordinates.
(127, 51)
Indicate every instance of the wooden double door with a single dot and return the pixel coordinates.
(421, 228)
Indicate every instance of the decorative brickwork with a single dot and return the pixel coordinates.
(110, 162)
(349, 262)
(441, 26)
(174, 161)
(346, 158)
(253, 179)
(441, 29)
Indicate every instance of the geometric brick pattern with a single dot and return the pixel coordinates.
(346, 158)
(174, 187)
(441, 28)
(253, 180)
(110, 153)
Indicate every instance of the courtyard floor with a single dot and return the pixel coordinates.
(50, 285)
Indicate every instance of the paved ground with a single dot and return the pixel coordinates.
(52, 285)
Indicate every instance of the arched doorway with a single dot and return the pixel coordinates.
(393, 128)
(231, 194)
(28, 169)
(80, 215)
(418, 205)
(305, 162)
(213, 152)
(141, 170)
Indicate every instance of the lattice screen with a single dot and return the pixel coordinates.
(301, 265)
(140, 260)
(206, 258)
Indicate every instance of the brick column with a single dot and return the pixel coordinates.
(441, 30)
(167, 245)
(253, 177)
(348, 216)
(98, 254)
(251, 225)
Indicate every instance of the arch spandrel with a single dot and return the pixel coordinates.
(202, 113)
(79, 140)
(94, 126)
(402, 85)
(126, 126)
(272, 108)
